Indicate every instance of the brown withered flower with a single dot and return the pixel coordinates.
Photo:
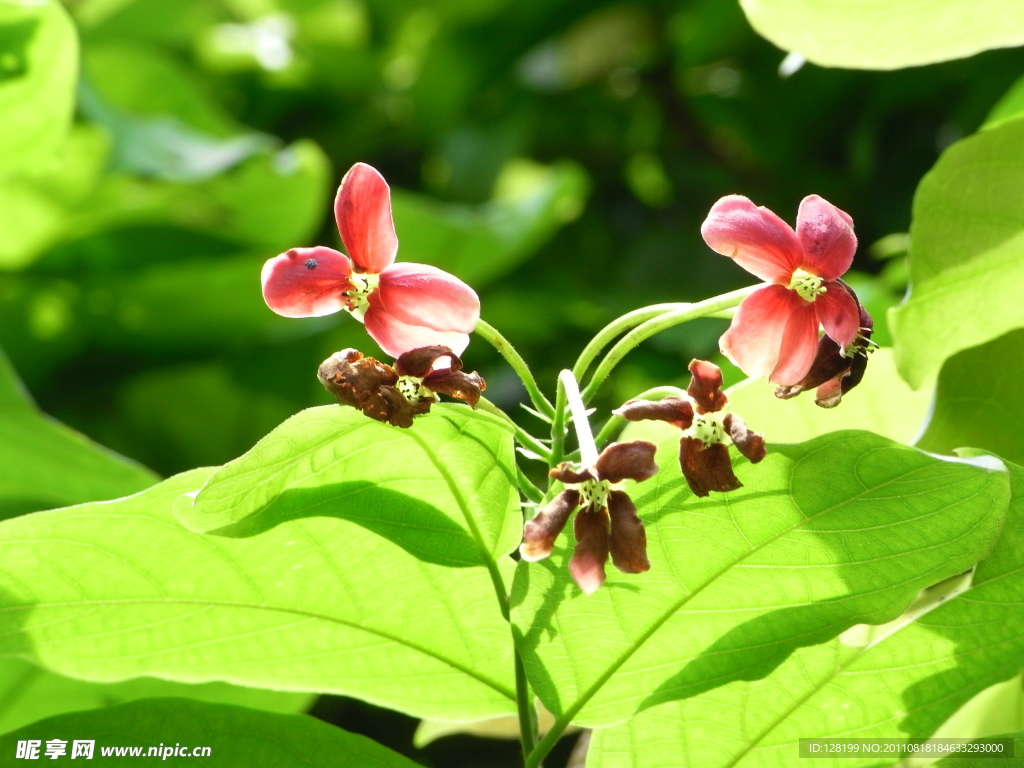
(835, 370)
(607, 520)
(394, 395)
(707, 426)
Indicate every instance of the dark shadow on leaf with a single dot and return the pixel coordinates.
(14, 41)
(421, 529)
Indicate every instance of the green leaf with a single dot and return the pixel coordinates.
(28, 693)
(846, 528)
(235, 736)
(873, 35)
(479, 244)
(46, 464)
(444, 489)
(904, 679)
(1010, 107)
(966, 252)
(979, 401)
(111, 591)
(38, 69)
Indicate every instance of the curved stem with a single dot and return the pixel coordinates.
(614, 328)
(529, 490)
(615, 422)
(558, 427)
(657, 324)
(523, 437)
(490, 334)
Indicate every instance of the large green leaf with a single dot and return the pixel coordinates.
(979, 401)
(873, 34)
(904, 679)
(846, 528)
(235, 736)
(444, 489)
(28, 693)
(38, 67)
(115, 590)
(966, 253)
(46, 464)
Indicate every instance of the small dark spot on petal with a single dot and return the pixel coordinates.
(310, 263)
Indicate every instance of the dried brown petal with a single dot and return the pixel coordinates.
(747, 442)
(539, 534)
(455, 383)
(591, 552)
(677, 411)
(706, 469)
(355, 379)
(420, 362)
(566, 474)
(633, 460)
(706, 386)
(628, 541)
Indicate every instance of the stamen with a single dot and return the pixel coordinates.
(708, 428)
(412, 389)
(808, 286)
(363, 284)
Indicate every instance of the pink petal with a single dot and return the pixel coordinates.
(363, 212)
(826, 236)
(754, 339)
(837, 310)
(591, 553)
(757, 239)
(397, 338)
(306, 282)
(799, 346)
(418, 294)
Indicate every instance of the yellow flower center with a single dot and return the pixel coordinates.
(412, 388)
(807, 285)
(709, 429)
(358, 296)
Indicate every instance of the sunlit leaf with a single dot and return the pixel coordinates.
(115, 590)
(443, 489)
(38, 67)
(966, 253)
(28, 693)
(46, 464)
(235, 736)
(979, 401)
(837, 33)
(903, 679)
(844, 529)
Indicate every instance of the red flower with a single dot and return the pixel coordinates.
(607, 520)
(775, 330)
(404, 306)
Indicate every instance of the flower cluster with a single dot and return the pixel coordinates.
(404, 306)
(393, 395)
(775, 330)
(607, 521)
(708, 427)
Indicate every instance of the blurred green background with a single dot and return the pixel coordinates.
(558, 155)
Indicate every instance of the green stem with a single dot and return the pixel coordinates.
(527, 713)
(524, 438)
(490, 334)
(530, 491)
(658, 324)
(558, 427)
(622, 324)
(615, 422)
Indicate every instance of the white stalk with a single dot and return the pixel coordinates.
(584, 436)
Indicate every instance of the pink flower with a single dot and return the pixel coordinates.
(775, 330)
(404, 306)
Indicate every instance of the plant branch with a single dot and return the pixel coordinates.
(658, 324)
(523, 437)
(490, 334)
(584, 437)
